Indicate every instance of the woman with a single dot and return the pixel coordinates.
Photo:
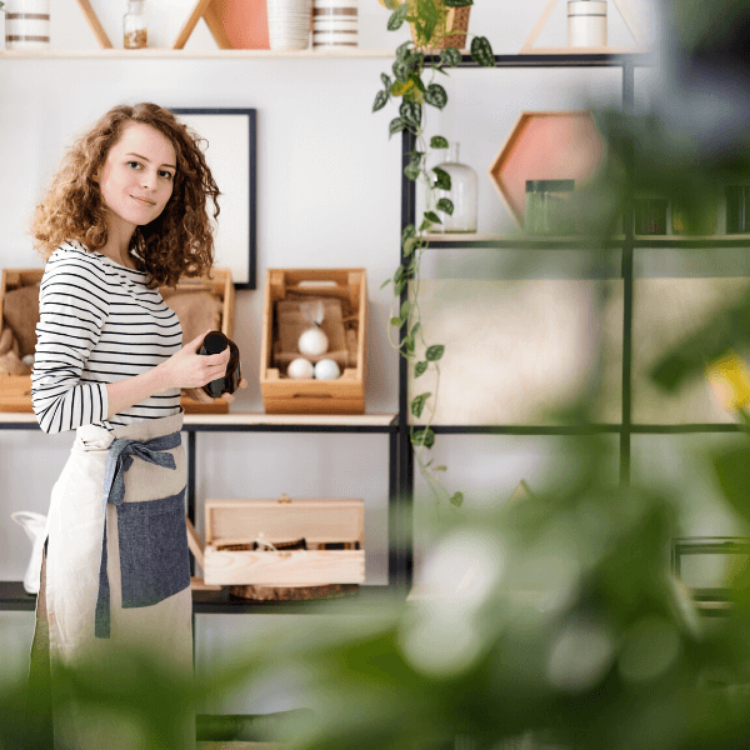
(125, 214)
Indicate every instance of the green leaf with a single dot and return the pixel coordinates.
(440, 468)
(456, 3)
(405, 309)
(409, 231)
(417, 80)
(411, 112)
(445, 205)
(432, 217)
(481, 52)
(402, 51)
(396, 322)
(397, 18)
(409, 246)
(386, 79)
(430, 17)
(436, 95)
(412, 171)
(392, 4)
(434, 353)
(442, 179)
(425, 225)
(420, 369)
(399, 287)
(396, 126)
(424, 438)
(451, 56)
(457, 499)
(381, 99)
(408, 346)
(417, 404)
(437, 141)
(401, 70)
(399, 275)
(415, 157)
(385, 283)
(416, 328)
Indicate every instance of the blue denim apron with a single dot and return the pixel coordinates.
(154, 558)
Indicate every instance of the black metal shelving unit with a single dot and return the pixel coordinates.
(401, 458)
(626, 244)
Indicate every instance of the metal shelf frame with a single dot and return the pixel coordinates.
(626, 244)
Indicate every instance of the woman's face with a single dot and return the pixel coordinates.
(137, 178)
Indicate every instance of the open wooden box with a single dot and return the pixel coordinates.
(333, 531)
(219, 285)
(15, 390)
(343, 287)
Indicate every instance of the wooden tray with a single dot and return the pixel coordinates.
(320, 522)
(345, 395)
(546, 146)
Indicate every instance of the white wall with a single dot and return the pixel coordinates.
(328, 195)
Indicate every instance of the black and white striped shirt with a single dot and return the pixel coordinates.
(98, 324)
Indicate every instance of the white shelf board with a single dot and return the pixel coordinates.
(186, 54)
(252, 418)
(259, 418)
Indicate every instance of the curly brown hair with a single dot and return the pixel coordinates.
(177, 243)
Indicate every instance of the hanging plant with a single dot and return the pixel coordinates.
(414, 82)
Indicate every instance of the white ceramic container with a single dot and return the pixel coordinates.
(289, 24)
(335, 23)
(27, 24)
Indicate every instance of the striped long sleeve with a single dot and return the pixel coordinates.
(99, 322)
(72, 311)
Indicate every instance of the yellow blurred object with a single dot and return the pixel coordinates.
(730, 381)
(390, 4)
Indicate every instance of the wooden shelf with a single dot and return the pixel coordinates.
(183, 54)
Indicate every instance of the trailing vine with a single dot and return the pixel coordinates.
(414, 82)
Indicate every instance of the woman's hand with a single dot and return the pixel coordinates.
(188, 369)
(199, 395)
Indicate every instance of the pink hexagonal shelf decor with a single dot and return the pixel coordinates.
(546, 146)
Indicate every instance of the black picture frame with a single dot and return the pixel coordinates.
(236, 177)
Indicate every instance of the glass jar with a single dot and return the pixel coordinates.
(463, 194)
(549, 207)
(135, 32)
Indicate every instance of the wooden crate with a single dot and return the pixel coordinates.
(319, 522)
(15, 391)
(220, 284)
(346, 394)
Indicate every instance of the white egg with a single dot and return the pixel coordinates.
(313, 342)
(300, 369)
(327, 369)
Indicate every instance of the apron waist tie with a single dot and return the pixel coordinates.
(120, 459)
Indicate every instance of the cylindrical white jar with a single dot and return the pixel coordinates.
(335, 23)
(587, 23)
(27, 24)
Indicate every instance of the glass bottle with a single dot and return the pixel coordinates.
(135, 33)
(463, 194)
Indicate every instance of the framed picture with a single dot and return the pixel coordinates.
(231, 156)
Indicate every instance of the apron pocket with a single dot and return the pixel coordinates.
(154, 557)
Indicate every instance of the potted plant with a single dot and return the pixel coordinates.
(413, 83)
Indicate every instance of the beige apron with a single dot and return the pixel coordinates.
(141, 598)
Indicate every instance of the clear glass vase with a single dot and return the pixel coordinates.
(135, 26)
(463, 194)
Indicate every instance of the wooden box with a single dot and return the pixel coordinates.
(332, 529)
(15, 390)
(346, 394)
(220, 285)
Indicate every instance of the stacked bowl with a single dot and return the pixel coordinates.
(335, 23)
(289, 24)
